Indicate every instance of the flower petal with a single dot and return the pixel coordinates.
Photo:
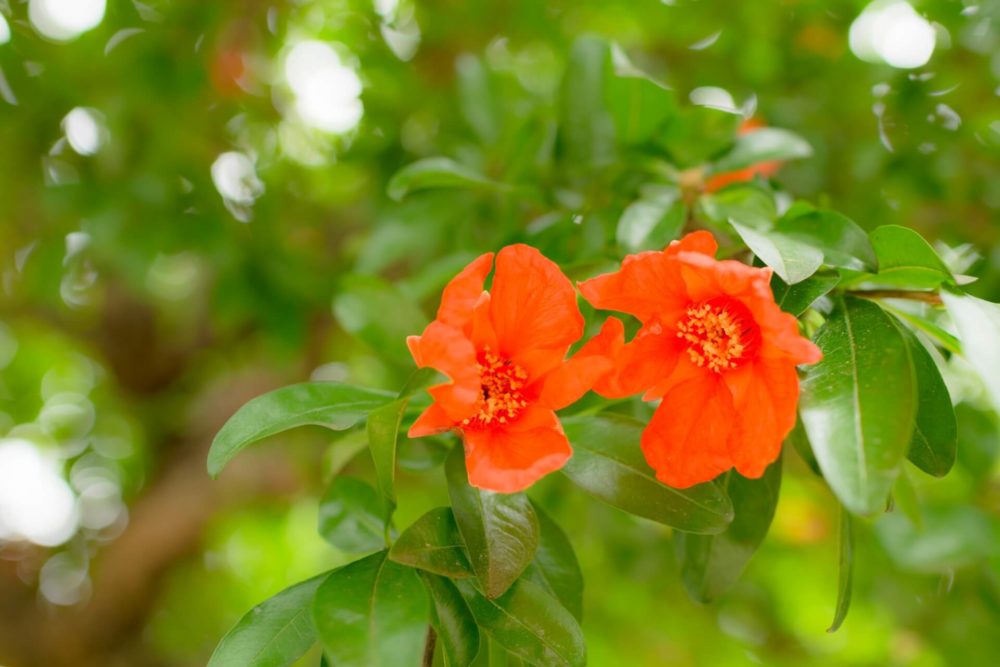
(433, 420)
(686, 441)
(648, 284)
(765, 394)
(461, 293)
(509, 460)
(532, 303)
(572, 379)
(448, 350)
(699, 241)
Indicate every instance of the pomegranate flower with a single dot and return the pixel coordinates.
(713, 347)
(504, 353)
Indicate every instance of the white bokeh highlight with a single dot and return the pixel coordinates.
(327, 91)
(63, 20)
(892, 32)
(84, 129)
(4, 30)
(36, 503)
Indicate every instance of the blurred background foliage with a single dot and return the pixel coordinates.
(186, 188)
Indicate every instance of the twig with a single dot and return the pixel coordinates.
(429, 646)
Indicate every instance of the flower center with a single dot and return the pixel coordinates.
(502, 391)
(721, 333)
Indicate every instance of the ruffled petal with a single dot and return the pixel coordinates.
(483, 335)
(765, 395)
(686, 441)
(462, 292)
(572, 379)
(448, 350)
(510, 460)
(700, 241)
(649, 359)
(607, 344)
(533, 305)
(433, 420)
(648, 285)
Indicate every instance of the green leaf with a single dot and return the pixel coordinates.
(372, 612)
(383, 434)
(797, 298)
(420, 379)
(586, 130)
(791, 259)
(275, 633)
(696, 133)
(940, 336)
(557, 566)
(858, 404)
(845, 583)
(422, 454)
(748, 205)
(433, 543)
(529, 623)
(952, 537)
(351, 516)
(500, 530)
(608, 463)
(843, 243)
(763, 145)
(905, 259)
(711, 564)
(800, 441)
(978, 325)
(477, 99)
(639, 105)
(336, 406)
(437, 172)
(379, 314)
(652, 221)
(935, 434)
(455, 625)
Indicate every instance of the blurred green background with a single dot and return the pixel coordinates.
(193, 211)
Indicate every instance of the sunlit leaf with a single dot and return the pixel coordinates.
(638, 104)
(383, 434)
(843, 243)
(607, 462)
(275, 633)
(652, 221)
(500, 530)
(793, 260)
(329, 404)
(433, 543)
(763, 145)
(858, 404)
(437, 172)
(978, 325)
(905, 259)
(935, 433)
(372, 612)
(351, 516)
(530, 623)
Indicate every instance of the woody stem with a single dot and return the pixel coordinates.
(429, 646)
(913, 295)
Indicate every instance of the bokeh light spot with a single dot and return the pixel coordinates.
(64, 20)
(84, 130)
(36, 503)
(327, 91)
(892, 32)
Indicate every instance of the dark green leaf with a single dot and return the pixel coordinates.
(711, 564)
(843, 243)
(436, 172)
(694, 134)
(652, 221)
(529, 623)
(845, 582)
(383, 434)
(978, 325)
(935, 434)
(586, 131)
(795, 299)
(351, 516)
(638, 105)
(763, 145)
(500, 530)
(800, 441)
(608, 463)
(858, 404)
(457, 631)
(433, 543)
(557, 565)
(477, 99)
(905, 259)
(422, 454)
(330, 404)
(419, 379)
(275, 633)
(379, 314)
(372, 612)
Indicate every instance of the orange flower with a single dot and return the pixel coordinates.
(766, 169)
(504, 352)
(714, 347)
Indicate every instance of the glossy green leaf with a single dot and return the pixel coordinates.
(500, 530)
(437, 172)
(935, 434)
(638, 105)
(797, 298)
(433, 543)
(793, 260)
(379, 314)
(652, 221)
(978, 325)
(530, 623)
(458, 634)
(845, 582)
(933, 330)
(586, 130)
(421, 454)
(763, 145)
(843, 243)
(275, 633)
(711, 564)
(383, 435)
(372, 612)
(905, 259)
(799, 440)
(608, 463)
(420, 379)
(858, 404)
(330, 404)
(351, 516)
(556, 564)
(748, 205)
